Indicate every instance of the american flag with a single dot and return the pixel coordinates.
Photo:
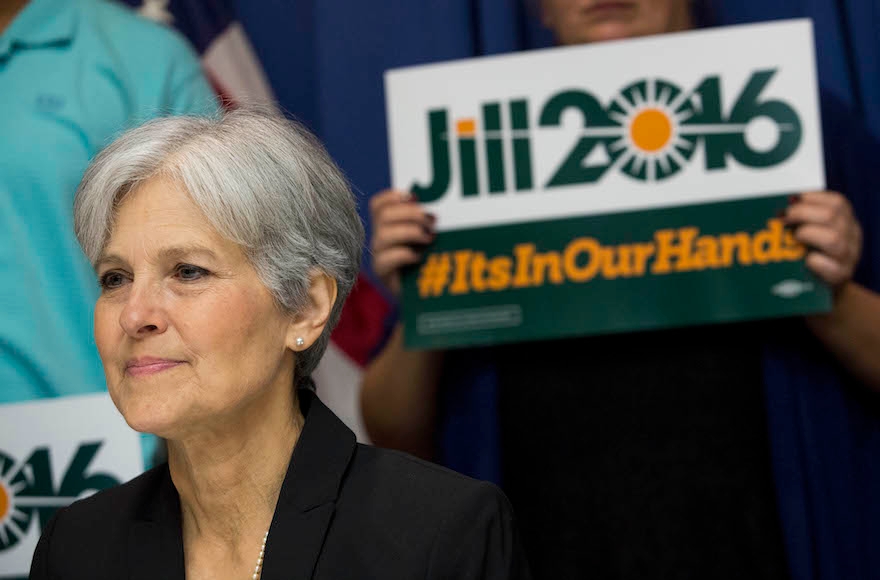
(234, 70)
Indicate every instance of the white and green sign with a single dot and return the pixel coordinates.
(53, 452)
(621, 186)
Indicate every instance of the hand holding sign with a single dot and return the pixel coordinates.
(400, 228)
(824, 222)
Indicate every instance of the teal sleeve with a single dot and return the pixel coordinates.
(188, 89)
(193, 95)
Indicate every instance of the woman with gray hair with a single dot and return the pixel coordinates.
(225, 249)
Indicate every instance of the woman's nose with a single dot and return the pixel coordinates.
(143, 313)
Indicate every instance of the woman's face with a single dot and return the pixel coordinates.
(581, 21)
(188, 335)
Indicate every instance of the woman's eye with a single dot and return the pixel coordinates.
(112, 280)
(188, 272)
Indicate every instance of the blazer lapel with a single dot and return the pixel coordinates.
(308, 495)
(302, 517)
(155, 542)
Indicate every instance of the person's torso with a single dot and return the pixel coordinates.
(641, 455)
(66, 89)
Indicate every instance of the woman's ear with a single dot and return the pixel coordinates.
(309, 322)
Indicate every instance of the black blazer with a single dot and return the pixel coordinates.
(345, 511)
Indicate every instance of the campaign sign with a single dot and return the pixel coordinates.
(53, 452)
(613, 187)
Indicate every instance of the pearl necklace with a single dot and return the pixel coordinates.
(259, 567)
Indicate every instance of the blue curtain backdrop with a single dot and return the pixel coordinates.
(325, 59)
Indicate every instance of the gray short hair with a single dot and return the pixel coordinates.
(262, 181)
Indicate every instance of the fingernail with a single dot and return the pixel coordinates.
(794, 198)
(431, 217)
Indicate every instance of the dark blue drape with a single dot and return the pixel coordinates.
(824, 426)
(325, 59)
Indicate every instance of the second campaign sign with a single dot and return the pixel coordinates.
(622, 186)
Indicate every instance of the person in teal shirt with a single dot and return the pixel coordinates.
(73, 74)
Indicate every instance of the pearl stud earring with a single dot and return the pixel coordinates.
(300, 341)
